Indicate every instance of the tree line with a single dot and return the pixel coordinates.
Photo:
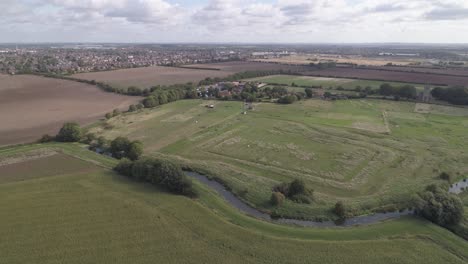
(453, 95)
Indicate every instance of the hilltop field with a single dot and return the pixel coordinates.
(372, 154)
(31, 106)
(68, 207)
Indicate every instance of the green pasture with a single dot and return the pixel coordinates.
(372, 154)
(325, 82)
(91, 215)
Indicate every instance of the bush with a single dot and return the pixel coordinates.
(108, 115)
(438, 206)
(132, 108)
(288, 99)
(124, 167)
(295, 191)
(277, 198)
(445, 176)
(46, 138)
(340, 210)
(309, 92)
(301, 198)
(70, 132)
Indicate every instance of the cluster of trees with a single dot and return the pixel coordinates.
(295, 190)
(406, 91)
(439, 206)
(323, 65)
(165, 94)
(122, 147)
(161, 173)
(70, 132)
(453, 95)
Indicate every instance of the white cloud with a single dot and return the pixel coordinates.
(234, 20)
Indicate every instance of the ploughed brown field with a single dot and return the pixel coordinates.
(160, 75)
(31, 106)
(394, 76)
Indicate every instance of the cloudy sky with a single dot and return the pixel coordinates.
(254, 21)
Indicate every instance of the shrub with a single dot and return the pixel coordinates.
(295, 191)
(70, 132)
(124, 167)
(288, 99)
(46, 138)
(340, 210)
(108, 115)
(309, 92)
(445, 176)
(301, 198)
(132, 108)
(277, 198)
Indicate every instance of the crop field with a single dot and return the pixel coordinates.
(359, 60)
(31, 106)
(159, 75)
(325, 82)
(394, 76)
(373, 154)
(73, 211)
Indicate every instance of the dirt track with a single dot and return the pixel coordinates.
(31, 106)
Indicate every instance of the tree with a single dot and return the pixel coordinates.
(340, 210)
(122, 147)
(309, 92)
(70, 132)
(296, 187)
(135, 150)
(277, 198)
(438, 206)
(386, 89)
(119, 147)
(407, 91)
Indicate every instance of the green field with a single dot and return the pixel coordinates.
(325, 82)
(73, 209)
(372, 154)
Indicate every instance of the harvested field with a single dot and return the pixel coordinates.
(31, 106)
(359, 60)
(159, 75)
(394, 76)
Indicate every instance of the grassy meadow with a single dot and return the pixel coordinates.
(372, 154)
(325, 82)
(76, 210)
